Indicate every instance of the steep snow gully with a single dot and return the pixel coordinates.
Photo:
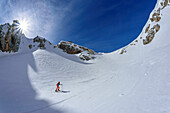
(133, 79)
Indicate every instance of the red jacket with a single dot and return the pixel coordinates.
(58, 85)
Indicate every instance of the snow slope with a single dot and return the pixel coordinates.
(137, 81)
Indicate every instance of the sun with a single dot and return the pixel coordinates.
(23, 25)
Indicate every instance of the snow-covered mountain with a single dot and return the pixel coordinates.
(133, 79)
(14, 42)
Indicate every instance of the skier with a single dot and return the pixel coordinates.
(58, 86)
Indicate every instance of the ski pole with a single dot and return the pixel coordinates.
(61, 87)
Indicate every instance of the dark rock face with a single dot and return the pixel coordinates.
(155, 17)
(71, 48)
(9, 37)
(30, 46)
(146, 30)
(40, 41)
(123, 51)
(151, 34)
(149, 37)
(156, 27)
(164, 4)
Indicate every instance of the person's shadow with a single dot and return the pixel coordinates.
(16, 92)
(65, 91)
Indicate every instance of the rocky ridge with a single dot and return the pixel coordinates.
(11, 41)
(71, 48)
(151, 28)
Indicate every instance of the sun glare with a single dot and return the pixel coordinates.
(23, 25)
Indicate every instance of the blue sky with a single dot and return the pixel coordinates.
(102, 25)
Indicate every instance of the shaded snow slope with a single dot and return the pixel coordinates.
(135, 82)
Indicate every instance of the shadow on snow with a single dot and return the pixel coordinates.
(16, 92)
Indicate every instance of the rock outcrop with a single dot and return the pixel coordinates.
(164, 3)
(9, 37)
(151, 34)
(71, 48)
(41, 42)
(147, 29)
(123, 50)
(155, 17)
